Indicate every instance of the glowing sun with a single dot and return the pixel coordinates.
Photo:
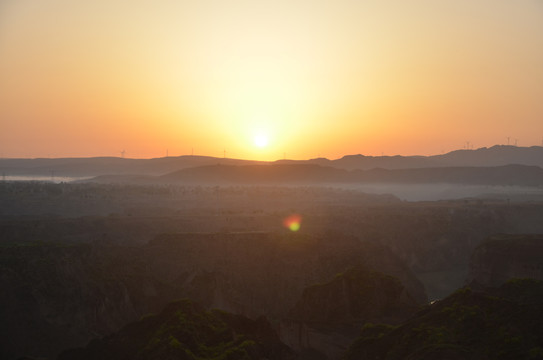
(261, 140)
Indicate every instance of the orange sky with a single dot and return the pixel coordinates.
(312, 77)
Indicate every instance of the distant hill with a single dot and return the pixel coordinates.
(498, 155)
(494, 156)
(307, 174)
(277, 173)
(96, 166)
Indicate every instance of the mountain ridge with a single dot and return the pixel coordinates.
(498, 155)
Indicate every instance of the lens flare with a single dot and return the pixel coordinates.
(293, 222)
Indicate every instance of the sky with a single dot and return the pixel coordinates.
(267, 80)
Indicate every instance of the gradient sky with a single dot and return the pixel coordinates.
(316, 78)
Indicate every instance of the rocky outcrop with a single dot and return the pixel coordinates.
(60, 296)
(357, 295)
(57, 296)
(504, 257)
(328, 317)
(260, 267)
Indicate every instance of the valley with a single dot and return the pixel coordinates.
(82, 260)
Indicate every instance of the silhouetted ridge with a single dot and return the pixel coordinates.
(307, 173)
(498, 155)
(95, 166)
(259, 174)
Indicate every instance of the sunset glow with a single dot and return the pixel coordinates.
(324, 78)
(261, 140)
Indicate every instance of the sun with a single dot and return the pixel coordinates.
(261, 140)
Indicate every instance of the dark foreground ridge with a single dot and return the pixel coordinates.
(500, 323)
(185, 330)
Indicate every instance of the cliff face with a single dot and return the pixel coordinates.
(62, 296)
(247, 273)
(328, 317)
(58, 296)
(505, 257)
(436, 241)
(357, 295)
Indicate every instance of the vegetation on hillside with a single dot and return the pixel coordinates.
(185, 330)
(466, 325)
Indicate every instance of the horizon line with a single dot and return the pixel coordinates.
(263, 161)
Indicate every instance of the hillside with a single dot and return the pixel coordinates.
(465, 325)
(497, 155)
(186, 330)
(257, 174)
(309, 174)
